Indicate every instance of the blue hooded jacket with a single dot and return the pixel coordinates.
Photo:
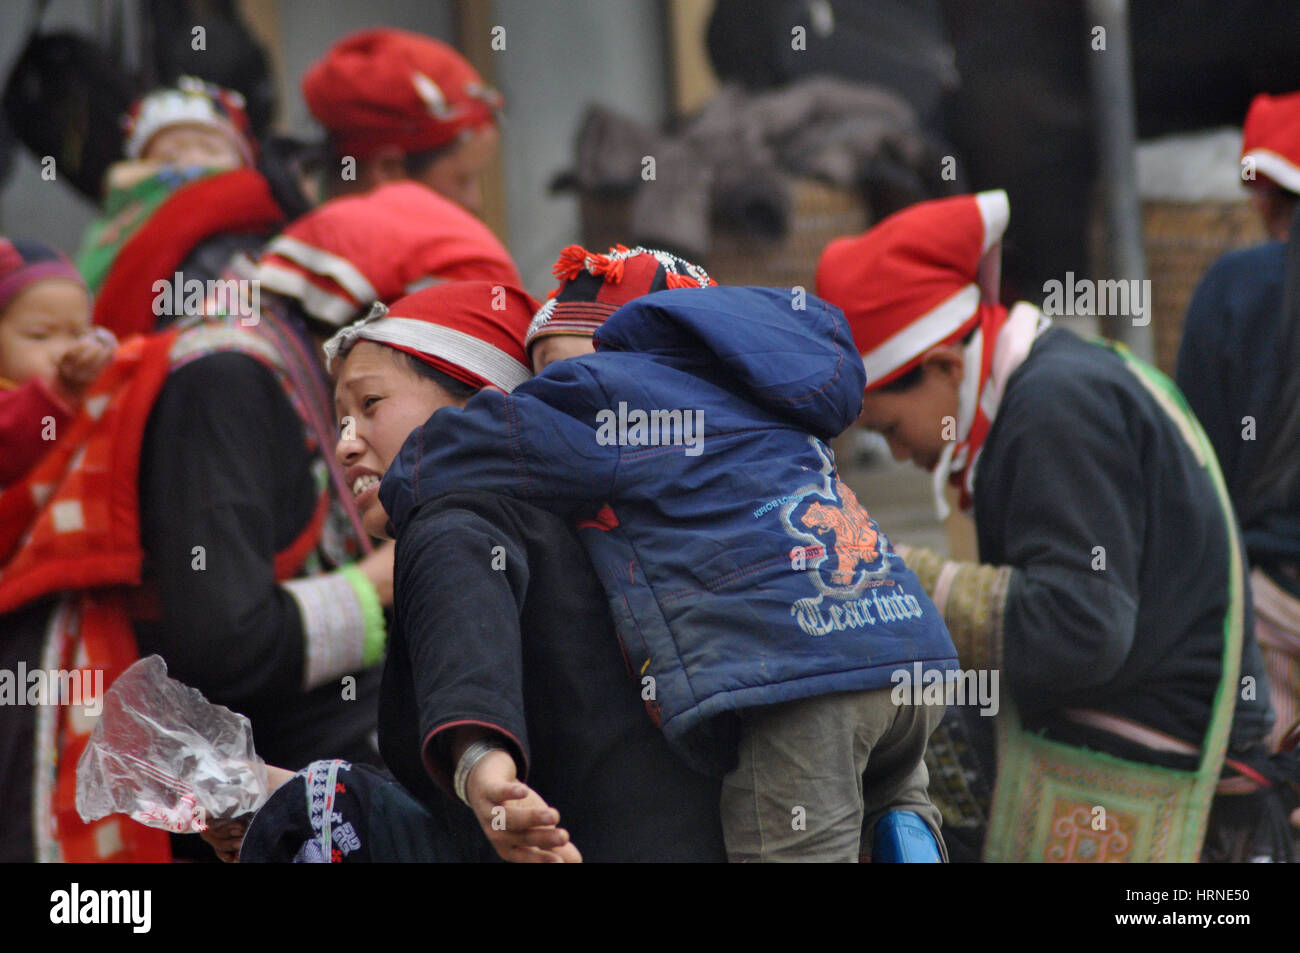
(740, 570)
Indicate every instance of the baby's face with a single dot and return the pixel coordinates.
(557, 347)
(192, 145)
(39, 326)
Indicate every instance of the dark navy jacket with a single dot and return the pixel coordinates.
(1139, 634)
(740, 570)
(1229, 369)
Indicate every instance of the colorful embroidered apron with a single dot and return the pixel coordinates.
(1058, 803)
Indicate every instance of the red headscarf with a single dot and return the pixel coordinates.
(1270, 139)
(911, 283)
(385, 87)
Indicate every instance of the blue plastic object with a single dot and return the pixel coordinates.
(901, 837)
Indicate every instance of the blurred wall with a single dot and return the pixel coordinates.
(560, 55)
(307, 28)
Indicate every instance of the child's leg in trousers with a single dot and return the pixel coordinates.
(896, 778)
(796, 792)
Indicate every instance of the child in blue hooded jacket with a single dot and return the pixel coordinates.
(769, 624)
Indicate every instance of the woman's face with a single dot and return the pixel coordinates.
(915, 421)
(379, 401)
(458, 175)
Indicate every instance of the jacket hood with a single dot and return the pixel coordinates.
(799, 363)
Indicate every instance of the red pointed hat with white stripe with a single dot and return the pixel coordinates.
(470, 330)
(911, 283)
(1270, 139)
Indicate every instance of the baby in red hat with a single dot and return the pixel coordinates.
(49, 353)
(404, 106)
(191, 124)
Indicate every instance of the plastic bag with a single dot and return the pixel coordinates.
(165, 756)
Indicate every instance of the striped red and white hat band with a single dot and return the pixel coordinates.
(457, 348)
(471, 330)
(1273, 166)
(330, 288)
(951, 319)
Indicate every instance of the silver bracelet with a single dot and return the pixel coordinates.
(472, 756)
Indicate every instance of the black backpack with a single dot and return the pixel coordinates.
(65, 98)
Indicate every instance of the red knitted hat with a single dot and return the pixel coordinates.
(471, 330)
(340, 258)
(910, 283)
(592, 287)
(23, 263)
(1270, 138)
(385, 87)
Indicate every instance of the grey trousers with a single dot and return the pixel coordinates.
(816, 775)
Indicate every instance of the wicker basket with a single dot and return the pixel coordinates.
(1182, 240)
(820, 212)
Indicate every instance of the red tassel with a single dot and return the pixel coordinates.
(570, 263)
(674, 280)
(608, 265)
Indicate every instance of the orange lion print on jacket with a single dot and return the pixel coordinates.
(856, 541)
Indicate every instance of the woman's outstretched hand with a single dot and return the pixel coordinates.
(521, 826)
